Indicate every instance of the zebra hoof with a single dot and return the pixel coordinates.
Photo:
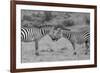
(74, 53)
(37, 54)
(86, 53)
(51, 50)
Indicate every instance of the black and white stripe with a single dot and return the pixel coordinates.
(29, 34)
(79, 37)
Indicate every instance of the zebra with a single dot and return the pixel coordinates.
(35, 33)
(56, 33)
(29, 34)
(79, 37)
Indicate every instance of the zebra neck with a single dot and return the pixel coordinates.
(47, 30)
(67, 35)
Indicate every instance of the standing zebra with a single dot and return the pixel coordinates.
(79, 37)
(35, 33)
(29, 34)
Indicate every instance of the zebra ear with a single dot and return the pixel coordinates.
(59, 29)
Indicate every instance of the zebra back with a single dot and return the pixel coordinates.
(76, 36)
(35, 33)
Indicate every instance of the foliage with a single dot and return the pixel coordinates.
(67, 19)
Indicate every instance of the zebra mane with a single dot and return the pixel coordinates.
(62, 27)
(37, 26)
(78, 31)
(41, 26)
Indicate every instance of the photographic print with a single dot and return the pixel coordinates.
(52, 36)
(63, 44)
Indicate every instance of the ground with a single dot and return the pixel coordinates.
(52, 51)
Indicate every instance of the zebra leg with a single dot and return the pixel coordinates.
(36, 47)
(73, 45)
(87, 47)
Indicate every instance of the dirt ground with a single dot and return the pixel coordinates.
(61, 50)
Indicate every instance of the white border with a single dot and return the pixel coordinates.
(51, 64)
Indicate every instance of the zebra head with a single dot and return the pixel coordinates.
(56, 34)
